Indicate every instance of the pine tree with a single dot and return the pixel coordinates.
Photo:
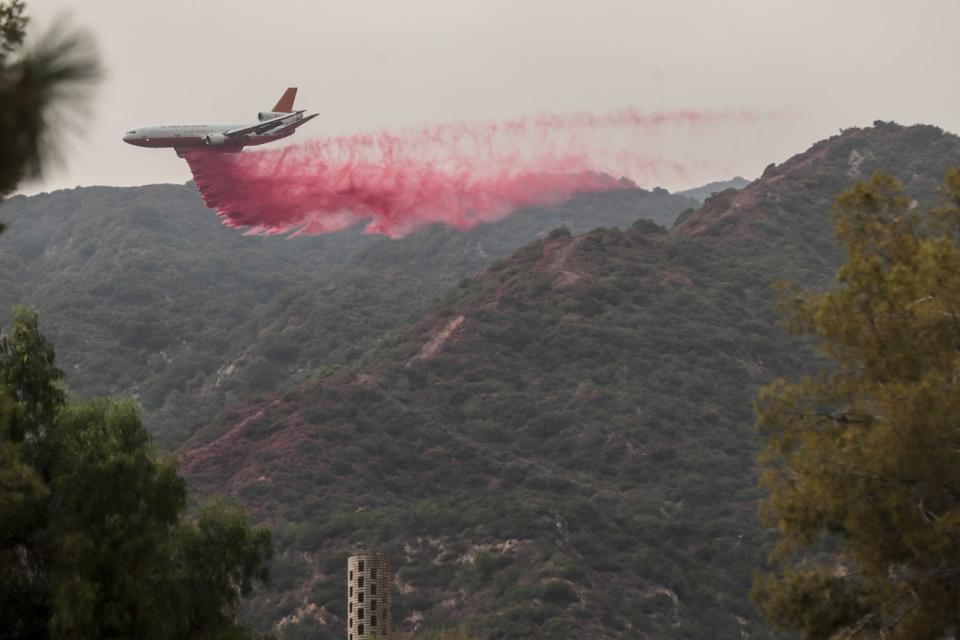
(39, 86)
(862, 461)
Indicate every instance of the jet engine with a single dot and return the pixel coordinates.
(267, 115)
(215, 139)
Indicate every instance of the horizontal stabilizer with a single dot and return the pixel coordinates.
(260, 127)
(301, 121)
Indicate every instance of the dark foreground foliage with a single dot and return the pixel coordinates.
(94, 542)
(862, 459)
(38, 86)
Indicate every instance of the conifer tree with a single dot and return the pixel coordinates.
(40, 85)
(862, 461)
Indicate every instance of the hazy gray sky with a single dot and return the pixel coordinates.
(365, 65)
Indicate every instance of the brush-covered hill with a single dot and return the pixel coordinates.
(144, 293)
(700, 194)
(563, 445)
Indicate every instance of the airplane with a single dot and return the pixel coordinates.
(275, 124)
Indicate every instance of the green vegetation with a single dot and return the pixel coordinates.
(93, 540)
(442, 634)
(558, 447)
(577, 455)
(145, 294)
(861, 459)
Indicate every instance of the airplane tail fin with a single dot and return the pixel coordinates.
(285, 103)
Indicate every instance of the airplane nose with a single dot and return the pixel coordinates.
(127, 137)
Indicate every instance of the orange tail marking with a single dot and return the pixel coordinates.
(285, 103)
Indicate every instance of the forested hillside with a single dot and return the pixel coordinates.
(563, 445)
(144, 293)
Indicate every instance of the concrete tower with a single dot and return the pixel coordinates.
(368, 597)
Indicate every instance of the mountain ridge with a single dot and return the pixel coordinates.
(145, 293)
(701, 193)
(577, 415)
(559, 442)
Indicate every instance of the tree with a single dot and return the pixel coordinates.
(12, 26)
(221, 557)
(39, 86)
(862, 461)
(18, 481)
(31, 379)
(94, 542)
(30, 396)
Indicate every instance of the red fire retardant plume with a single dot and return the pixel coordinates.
(458, 175)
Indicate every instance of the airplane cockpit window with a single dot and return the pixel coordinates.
(132, 131)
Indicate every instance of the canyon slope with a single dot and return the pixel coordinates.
(562, 445)
(144, 293)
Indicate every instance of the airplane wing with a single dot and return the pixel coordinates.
(260, 127)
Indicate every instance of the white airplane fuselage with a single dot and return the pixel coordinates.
(198, 135)
(273, 125)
